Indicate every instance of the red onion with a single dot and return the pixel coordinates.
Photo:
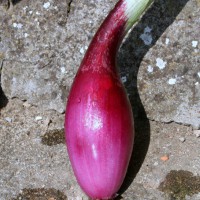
(99, 121)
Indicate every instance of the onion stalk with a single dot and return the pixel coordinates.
(99, 124)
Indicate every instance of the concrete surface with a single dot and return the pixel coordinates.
(41, 46)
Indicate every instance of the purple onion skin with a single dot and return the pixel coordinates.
(99, 121)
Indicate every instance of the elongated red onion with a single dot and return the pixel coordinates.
(99, 122)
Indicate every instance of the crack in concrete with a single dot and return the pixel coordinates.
(3, 98)
(170, 122)
(69, 7)
(1, 65)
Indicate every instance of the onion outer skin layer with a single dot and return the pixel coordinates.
(99, 128)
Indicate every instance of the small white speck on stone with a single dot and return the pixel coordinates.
(198, 74)
(26, 104)
(197, 83)
(26, 35)
(155, 164)
(182, 139)
(172, 81)
(194, 43)
(30, 12)
(36, 19)
(146, 36)
(167, 41)
(147, 29)
(37, 13)
(8, 119)
(160, 63)
(123, 79)
(149, 68)
(46, 5)
(196, 133)
(38, 118)
(17, 25)
(62, 70)
(14, 25)
(86, 47)
(24, 8)
(82, 50)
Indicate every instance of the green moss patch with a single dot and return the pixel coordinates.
(41, 194)
(54, 137)
(178, 184)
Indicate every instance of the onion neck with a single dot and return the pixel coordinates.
(101, 54)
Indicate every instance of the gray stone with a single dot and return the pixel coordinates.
(41, 87)
(35, 54)
(171, 90)
(41, 46)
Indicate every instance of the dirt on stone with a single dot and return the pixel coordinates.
(40, 194)
(179, 183)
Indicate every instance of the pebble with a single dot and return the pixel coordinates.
(164, 158)
(182, 139)
(62, 69)
(82, 50)
(26, 104)
(194, 43)
(46, 5)
(8, 119)
(146, 36)
(167, 41)
(25, 35)
(196, 133)
(172, 81)
(150, 68)
(17, 25)
(38, 118)
(160, 63)
(155, 164)
(123, 79)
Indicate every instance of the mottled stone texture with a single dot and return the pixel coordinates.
(41, 46)
(172, 93)
(43, 43)
(164, 45)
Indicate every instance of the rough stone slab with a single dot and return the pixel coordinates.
(169, 77)
(43, 44)
(161, 61)
(28, 163)
(41, 87)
